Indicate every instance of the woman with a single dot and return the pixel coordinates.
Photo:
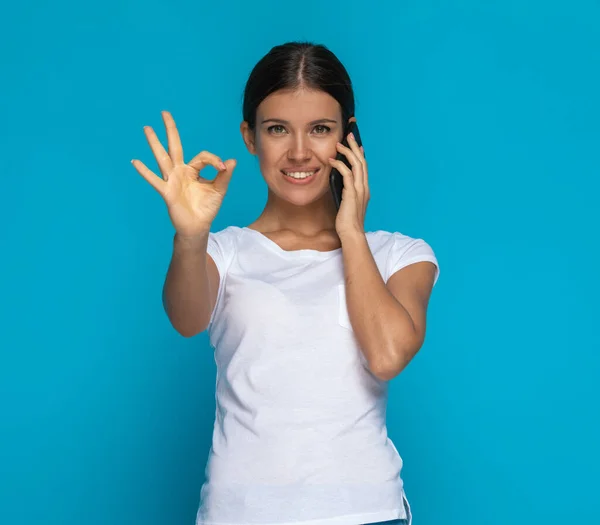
(309, 315)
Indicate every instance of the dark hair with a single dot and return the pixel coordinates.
(295, 65)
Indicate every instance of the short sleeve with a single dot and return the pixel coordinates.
(221, 247)
(406, 251)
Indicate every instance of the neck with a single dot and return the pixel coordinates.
(307, 220)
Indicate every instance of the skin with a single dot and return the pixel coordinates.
(299, 215)
(388, 318)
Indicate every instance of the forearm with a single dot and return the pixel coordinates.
(186, 290)
(383, 327)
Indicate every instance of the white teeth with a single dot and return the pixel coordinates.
(299, 174)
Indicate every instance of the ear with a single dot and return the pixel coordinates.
(248, 136)
(351, 119)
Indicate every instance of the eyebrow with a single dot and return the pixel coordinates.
(280, 121)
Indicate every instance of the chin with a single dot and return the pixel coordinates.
(298, 199)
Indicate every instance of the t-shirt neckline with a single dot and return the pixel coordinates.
(290, 253)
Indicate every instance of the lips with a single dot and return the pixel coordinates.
(304, 181)
(296, 170)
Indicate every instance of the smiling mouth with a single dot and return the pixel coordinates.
(300, 174)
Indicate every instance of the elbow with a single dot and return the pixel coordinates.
(395, 360)
(388, 369)
(385, 374)
(186, 329)
(189, 330)
(188, 333)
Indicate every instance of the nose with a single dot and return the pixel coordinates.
(299, 150)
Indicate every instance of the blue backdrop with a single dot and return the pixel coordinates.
(480, 122)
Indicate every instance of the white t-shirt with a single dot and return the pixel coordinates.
(300, 432)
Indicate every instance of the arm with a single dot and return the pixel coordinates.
(389, 321)
(191, 285)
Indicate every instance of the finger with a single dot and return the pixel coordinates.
(350, 155)
(205, 158)
(359, 155)
(356, 166)
(155, 181)
(362, 157)
(159, 152)
(363, 160)
(221, 182)
(346, 173)
(354, 145)
(173, 139)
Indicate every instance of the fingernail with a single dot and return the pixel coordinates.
(351, 135)
(222, 166)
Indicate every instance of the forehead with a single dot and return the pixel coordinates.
(299, 105)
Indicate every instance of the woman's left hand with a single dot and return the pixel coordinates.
(355, 195)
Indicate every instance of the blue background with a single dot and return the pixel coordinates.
(481, 124)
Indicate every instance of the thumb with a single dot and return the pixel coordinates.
(221, 181)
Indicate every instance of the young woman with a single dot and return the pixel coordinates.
(309, 315)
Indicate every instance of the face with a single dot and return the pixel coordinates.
(296, 132)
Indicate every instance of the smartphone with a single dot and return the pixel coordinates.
(336, 181)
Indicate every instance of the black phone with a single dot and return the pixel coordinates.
(336, 181)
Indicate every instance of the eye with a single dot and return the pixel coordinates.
(326, 129)
(271, 129)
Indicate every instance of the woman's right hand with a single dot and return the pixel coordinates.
(192, 201)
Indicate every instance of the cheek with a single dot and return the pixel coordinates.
(271, 150)
(268, 153)
(326, 148)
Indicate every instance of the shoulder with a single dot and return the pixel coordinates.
(222, 246)
(227, 233)
(401, 250)
(394, 239)
(389, 239)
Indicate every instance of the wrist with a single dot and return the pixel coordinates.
(352, 236)
(191, 243)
